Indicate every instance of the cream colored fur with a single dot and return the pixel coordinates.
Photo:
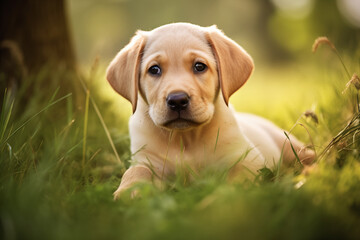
(208, 132)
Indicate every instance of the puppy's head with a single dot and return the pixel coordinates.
(179, 69)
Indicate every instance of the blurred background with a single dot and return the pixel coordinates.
(64, 141)
(288, 78)
(60, 35)
(272, 31)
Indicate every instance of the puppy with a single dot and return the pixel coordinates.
(179, 78)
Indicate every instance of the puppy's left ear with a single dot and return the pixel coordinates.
(124, 70)
(234, 64)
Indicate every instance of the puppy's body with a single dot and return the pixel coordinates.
(179, 78)
(219, 140)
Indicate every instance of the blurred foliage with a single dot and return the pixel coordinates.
(48, 192)
(278, 34)
(269, 30)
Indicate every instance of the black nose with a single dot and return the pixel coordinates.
(178, 101)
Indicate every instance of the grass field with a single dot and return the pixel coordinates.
(59, 169)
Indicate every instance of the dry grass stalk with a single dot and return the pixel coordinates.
(355, 80)
(325, 40)
(312, 115)
(322, 40)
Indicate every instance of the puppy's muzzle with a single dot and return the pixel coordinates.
(177, 101)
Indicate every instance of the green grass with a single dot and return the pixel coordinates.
(59, 169)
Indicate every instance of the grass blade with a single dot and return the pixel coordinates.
(107, 132)
(35, 115)
(217, 139)
(69, 110)
(103, 124)
(5, 114)
(293, 149)
(86, 118)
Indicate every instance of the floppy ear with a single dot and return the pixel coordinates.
(124, 70)
(234, 64)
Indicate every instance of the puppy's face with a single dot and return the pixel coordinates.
(179, 69)
(178, 78)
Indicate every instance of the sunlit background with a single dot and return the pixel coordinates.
(270, 30)
(64, 141)
(278, 34)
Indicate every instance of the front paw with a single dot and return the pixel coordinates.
(120, 192)
(133, 176)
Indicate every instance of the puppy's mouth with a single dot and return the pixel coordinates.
(181, 124)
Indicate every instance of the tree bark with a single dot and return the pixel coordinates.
(34, 35)
(40, 30)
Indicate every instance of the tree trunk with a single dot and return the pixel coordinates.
(34, 35)
(40, 30)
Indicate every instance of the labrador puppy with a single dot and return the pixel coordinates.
(179, 78)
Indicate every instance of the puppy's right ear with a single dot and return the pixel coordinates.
(124, 70)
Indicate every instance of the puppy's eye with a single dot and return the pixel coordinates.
(155, 70)
(199, 67)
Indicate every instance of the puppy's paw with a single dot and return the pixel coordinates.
(118, 193)
(131, 179)
(140, 190)
(134, 194)
(307, 156)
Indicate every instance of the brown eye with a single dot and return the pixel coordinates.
(155, 70)
(199, 67)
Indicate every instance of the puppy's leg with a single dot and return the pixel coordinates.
(254, 124)
(133, 175)
(306, 156)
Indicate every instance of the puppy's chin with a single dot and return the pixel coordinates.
(183, 121)
(181, 124)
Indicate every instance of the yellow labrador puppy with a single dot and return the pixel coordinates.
(179, 78)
